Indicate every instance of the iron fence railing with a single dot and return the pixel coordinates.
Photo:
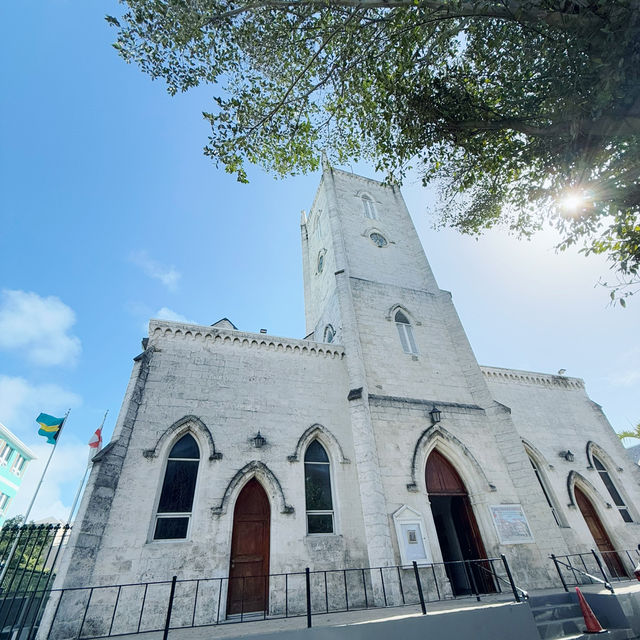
(606, 567)
(114, 610)
(30, 555)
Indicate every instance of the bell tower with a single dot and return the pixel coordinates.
(369, 287)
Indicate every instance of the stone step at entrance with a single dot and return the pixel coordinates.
(558, 617)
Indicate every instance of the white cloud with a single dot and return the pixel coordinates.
(169, 276)
(168, 314)
(21, 402)
(625, 378)
(63, 477)
(39, 327)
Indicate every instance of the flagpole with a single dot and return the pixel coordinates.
(33, 499)
(86, 471)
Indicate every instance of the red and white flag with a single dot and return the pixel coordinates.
(96, 440)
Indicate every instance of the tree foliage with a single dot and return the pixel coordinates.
(524, 110)
(630, 434)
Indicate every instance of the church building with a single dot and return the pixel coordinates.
(375, 441)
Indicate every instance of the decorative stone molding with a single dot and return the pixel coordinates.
(377, 399)
(324, 436)
(265, 476)
(438, 432)
(185, 424)
(574, 477)
(159, 330)
(498, 374)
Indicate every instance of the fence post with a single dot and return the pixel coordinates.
(419, 585)
(307, 579)
(516, 595)
(604, 575)
(474, 586)
(564, 584)
(169, 608)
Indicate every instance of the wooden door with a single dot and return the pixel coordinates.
(599, 533)
(249, 568)
(443, 480)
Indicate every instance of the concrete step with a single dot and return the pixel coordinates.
(559, 597)
(556, 612)
(610, 634)
(561, 628)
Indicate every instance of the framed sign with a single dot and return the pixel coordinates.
(411, 539)
(511, 524)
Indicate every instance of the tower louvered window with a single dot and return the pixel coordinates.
(369, 208)
(405, 331)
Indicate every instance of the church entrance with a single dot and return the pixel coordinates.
(599, 534)
(458, 533)
(249, 569)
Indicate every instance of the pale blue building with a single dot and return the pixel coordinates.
(14, 460)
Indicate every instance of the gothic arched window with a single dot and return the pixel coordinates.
(543, 486)
(613, 492)
(369, 209)
(405, 331)
(317, 487)
(329, 334)
(178, 488)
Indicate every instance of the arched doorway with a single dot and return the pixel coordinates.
(599, 534)
(456, 526)
(249, 566)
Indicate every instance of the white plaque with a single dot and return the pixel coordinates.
(511, 524)
(411, 539)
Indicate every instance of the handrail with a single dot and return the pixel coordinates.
(571, 568)
(523, 593)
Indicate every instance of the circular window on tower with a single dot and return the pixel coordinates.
(320, 266)
(378, 239)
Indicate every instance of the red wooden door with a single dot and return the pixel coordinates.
(443, 480)
(599, 533)
(249, 569)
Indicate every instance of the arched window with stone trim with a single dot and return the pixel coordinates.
(317, 487)
(611, 488)
(329, 334)
(542, 481)
(175, 505)
(405, 331)
(368, 206)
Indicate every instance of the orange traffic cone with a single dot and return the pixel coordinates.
(593, 626)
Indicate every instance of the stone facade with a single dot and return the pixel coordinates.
(367, 400)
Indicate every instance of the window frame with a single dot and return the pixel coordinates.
(405, 333)
(316, 512)
(611, 487)
(19, 464)
(555, 511)
(160, 515)
(329, 330)
(5, 454)
(368, 207)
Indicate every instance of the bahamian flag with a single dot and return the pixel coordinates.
(50, 427)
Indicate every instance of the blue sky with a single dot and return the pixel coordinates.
(110, 214)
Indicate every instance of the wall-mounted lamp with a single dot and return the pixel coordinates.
(567, 455)
(259, 441)
(435, 415)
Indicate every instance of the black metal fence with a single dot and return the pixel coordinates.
(114, 610)
(29, 555)
(576, 569)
